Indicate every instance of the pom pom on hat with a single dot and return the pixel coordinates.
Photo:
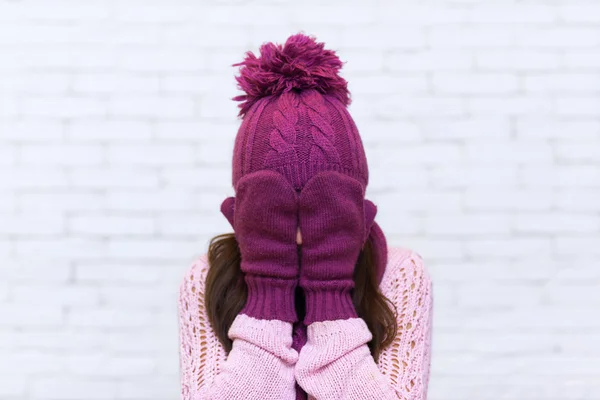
(301, 63)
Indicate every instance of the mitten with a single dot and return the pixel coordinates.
(264, 216)
(334, 220)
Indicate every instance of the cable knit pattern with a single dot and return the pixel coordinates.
(335, 363)
(282, 138)
(322, 150)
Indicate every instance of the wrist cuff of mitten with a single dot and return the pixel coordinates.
(270, 298)
(328, 303)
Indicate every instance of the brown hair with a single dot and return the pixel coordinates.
(226, 293)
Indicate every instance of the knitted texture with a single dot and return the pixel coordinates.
(295, 119)
(301, 63)
(333, 225)
(265, 222)
(295, 122)
(299, 134)
(335, 361)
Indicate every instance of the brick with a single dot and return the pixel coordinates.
(32, 362)
(118, 272)
(12, 385)
(68, 340)
(581, 59)
(151, 106)
(505, 199)
(128, 297)
(221, 36)
(422, 14)
(578, 200)
(114, 177)
(519, 13)
(103, 83)
(469, 37)
(8, 155)
(404, 106)
(507, 247)
(101, 365)
(576, 245)
(209, 130)
(495, 295)
(64, 107)
(66, 11)
(193, 224)
(228, 14)
(408, 83)
(364, 61)
(517, 60)
(61, 248)
(26, 316)
(562, 83)
(455, 83)
(511, 105)
(98, 224)
(34, 268)
(453, 224)
(578, 152)
(383, 36)
(7, 203)
(172, 200)
(578, 106)
(164, 60)
(560, 176)
(422, 200)
(91, 317)
(150, 154)
(428, 60)
(509, 152)
(36, 83)
(61, 202)
(150, 249)
(64, 295)
(162, 388)
(486, 176)
(561, 37)
(9, 108)
(208, 179)
(205, 83)
(556, 223)
(64, 154)
(453, 129)
(580, 13)
(32, 224)
(31, 131)
(137, 11)
(544, 128)
(425, 154)
(72, 388)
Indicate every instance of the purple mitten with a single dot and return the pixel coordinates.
(265, 222)
(334, 222)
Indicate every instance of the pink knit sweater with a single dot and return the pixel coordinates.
(335, 362)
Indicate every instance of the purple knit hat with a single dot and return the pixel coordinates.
(295, 120)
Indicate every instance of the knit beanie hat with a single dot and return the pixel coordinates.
(295, 120)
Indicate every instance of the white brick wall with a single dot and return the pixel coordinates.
(481, 121)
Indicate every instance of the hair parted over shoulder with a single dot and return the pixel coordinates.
(301, 63)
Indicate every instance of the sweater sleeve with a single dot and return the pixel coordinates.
(336, 362)
(260, 364)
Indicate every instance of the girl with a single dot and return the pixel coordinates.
(304, 299)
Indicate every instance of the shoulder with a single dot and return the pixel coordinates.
(406, 272)
(195, 276)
